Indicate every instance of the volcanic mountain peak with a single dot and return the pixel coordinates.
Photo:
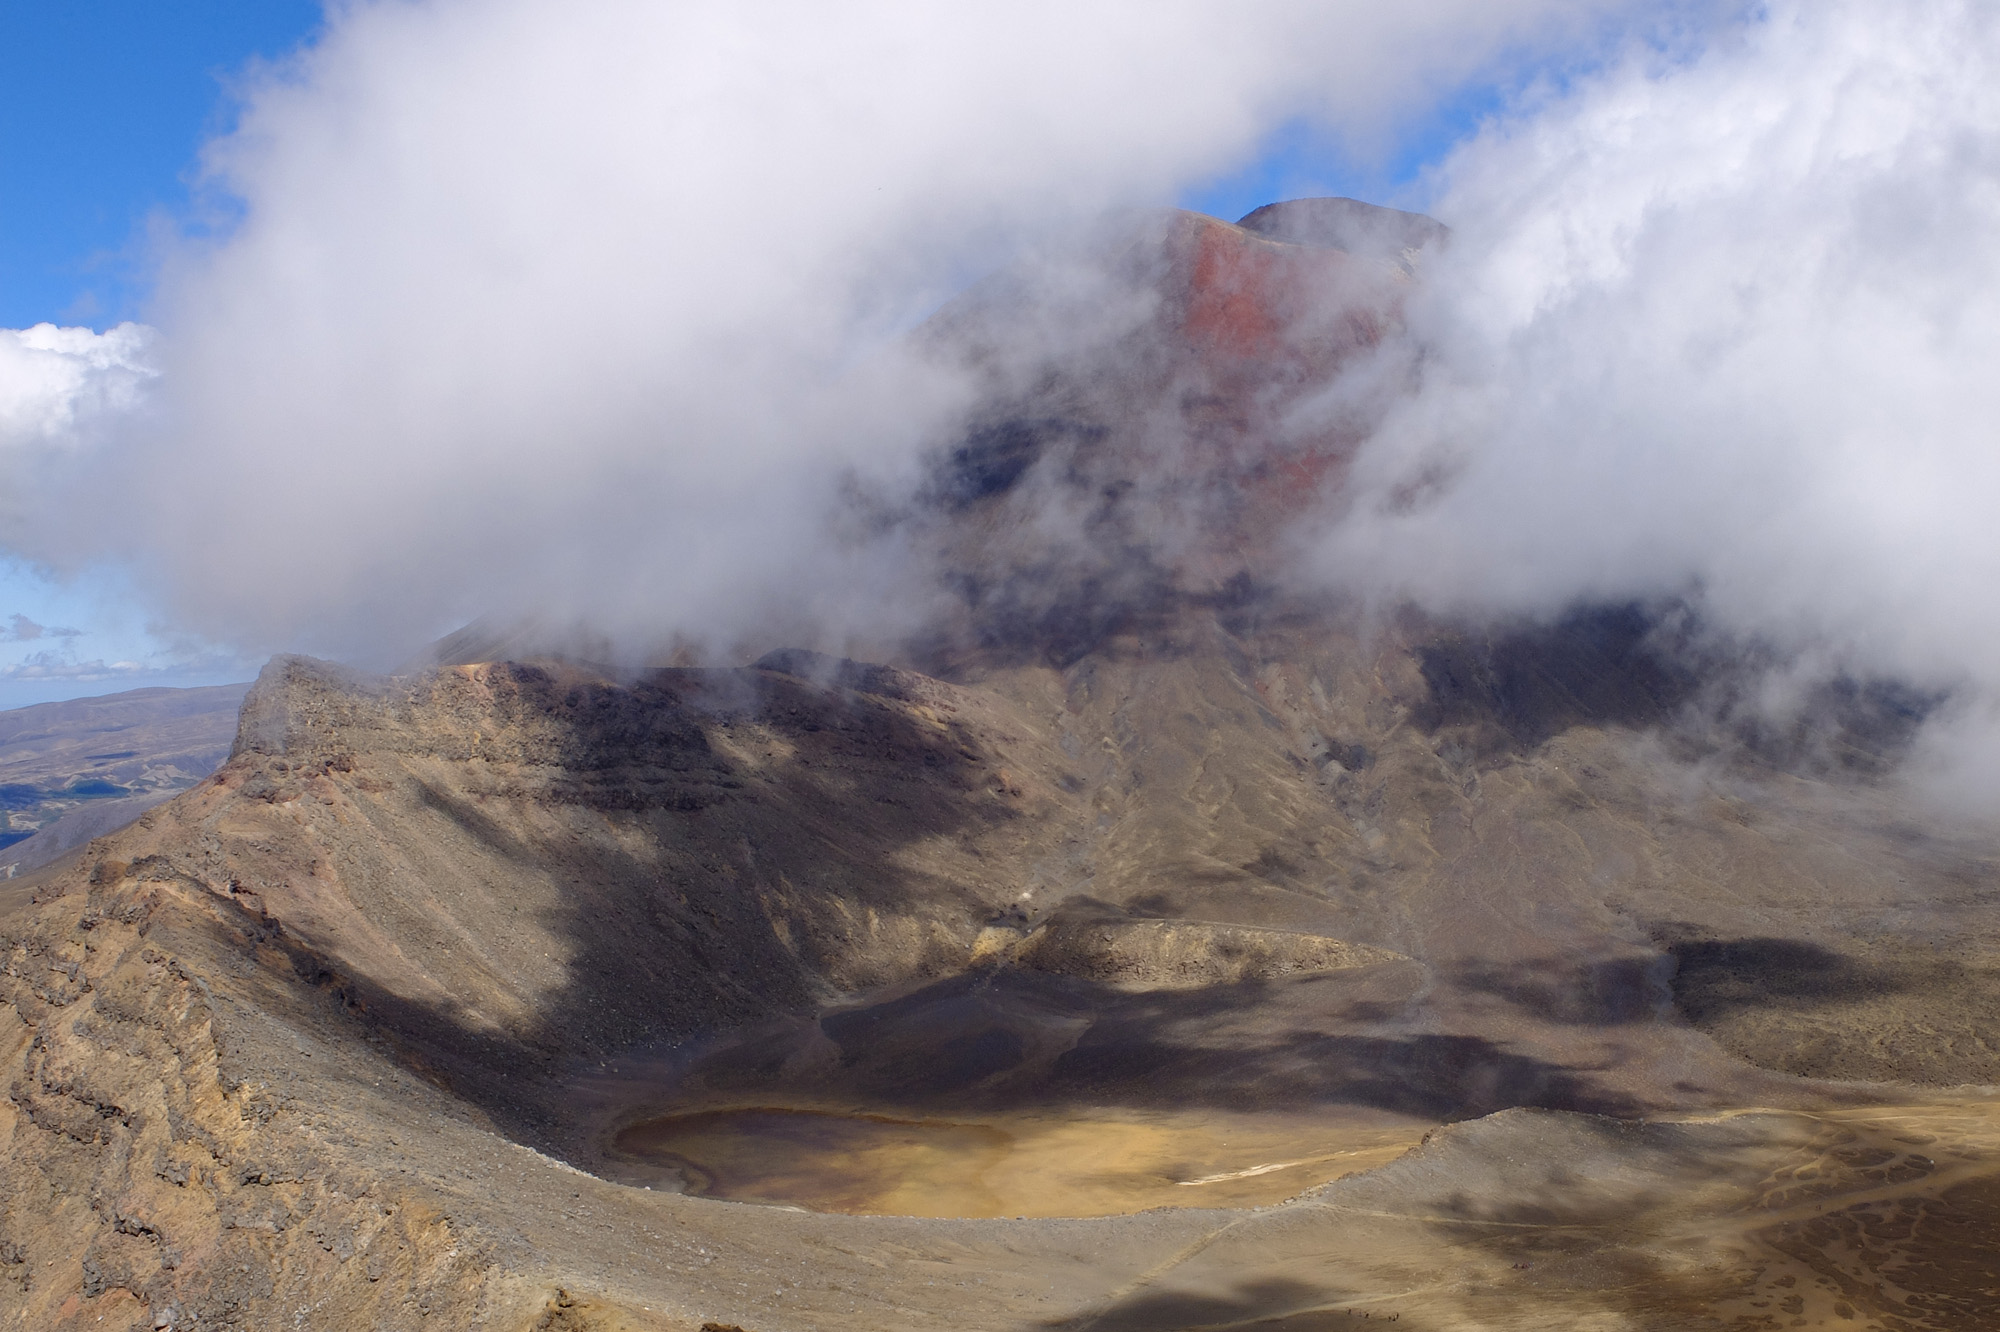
(1178, 289)
(1348, 224)
(1164, 444)
(1141, 888)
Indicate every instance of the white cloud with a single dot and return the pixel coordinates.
(580, 308)
(1726, 325)
(49, 665)
(59, 388)
(21, 629)
(55, 380)
(583, 310)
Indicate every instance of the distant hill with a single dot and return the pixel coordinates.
(77, 769)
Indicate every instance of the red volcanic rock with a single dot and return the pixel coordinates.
(1246, 296)
(1160, 409)
(1261, 293)
(1264, 320)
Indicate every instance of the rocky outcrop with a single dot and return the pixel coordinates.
(158, 1173)
(1117, 950)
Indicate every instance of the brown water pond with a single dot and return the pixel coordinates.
(1011, 1165)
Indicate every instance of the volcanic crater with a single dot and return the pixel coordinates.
(1147, 946)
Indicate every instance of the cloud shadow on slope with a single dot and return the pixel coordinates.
(1009, 1039)
(1271, 1304)
(1512, 688)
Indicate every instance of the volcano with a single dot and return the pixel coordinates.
(1144, 944)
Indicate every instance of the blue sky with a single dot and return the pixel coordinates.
(106, 105)
(107, 102)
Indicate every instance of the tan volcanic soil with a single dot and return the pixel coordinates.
(319, 1035)
(1000, 1164)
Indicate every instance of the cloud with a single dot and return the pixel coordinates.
(1722, 323)
(582, 309)
(21, 629)
(57, 387)
(53, 379)
(40, 666)
(584, 312)
(163, 663)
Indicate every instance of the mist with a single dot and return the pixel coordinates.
(595, 318)
(59, 386)
(1718, 325)
(579, 314)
